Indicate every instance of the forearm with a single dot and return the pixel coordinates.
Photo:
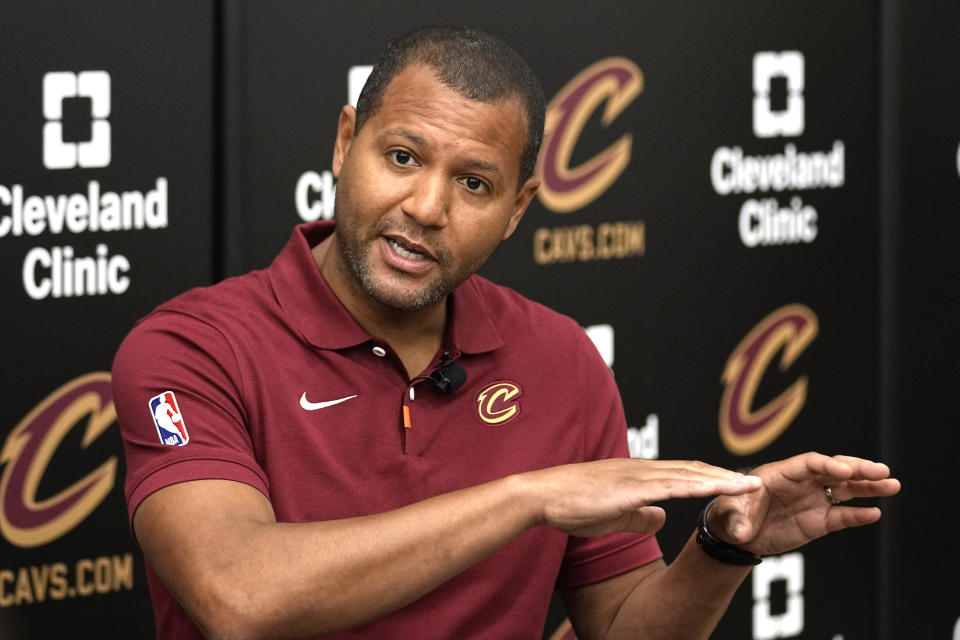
(238, 573)
(685, 599)
(269, 579)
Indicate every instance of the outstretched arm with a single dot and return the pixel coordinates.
(217, 547)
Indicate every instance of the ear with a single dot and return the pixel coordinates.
(524, 196)
(345, 134)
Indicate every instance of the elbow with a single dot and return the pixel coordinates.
(227, 612)
(218, 628)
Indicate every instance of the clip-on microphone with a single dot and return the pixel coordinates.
(448, 377)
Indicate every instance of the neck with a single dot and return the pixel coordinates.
(415, 336)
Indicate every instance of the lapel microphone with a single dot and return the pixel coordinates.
(449, 376)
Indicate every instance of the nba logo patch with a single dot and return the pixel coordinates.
(167, 418)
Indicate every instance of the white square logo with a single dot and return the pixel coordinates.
(767, 122)
(59, 86)
(767, 625)
(602, 337)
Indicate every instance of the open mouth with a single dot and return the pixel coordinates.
(410, 252)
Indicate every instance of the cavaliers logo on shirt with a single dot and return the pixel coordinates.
(499, 403)
(168, 420)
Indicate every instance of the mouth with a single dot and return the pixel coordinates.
(409, 250)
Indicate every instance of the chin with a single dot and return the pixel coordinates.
(404, 299)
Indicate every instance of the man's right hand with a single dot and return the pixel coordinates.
(606, 496)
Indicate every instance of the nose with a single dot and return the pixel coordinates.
(428, 201)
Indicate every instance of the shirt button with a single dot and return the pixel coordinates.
(379, 352)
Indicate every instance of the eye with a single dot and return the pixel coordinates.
(475, 184)
(402, 157)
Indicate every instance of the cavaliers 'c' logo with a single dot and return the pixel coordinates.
(499, 403)
(743, 428)
(615, 81)
(26, 521)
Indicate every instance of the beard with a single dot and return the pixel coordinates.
(397, 290)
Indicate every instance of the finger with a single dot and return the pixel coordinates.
(839, 467)
(665, 487)
(833, 467)
(663, 479)
(732, 486)
(692, 469)
(805, 466)
(865, 469)
(843, 517)
(851, 489)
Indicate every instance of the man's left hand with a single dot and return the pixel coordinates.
(793, 507)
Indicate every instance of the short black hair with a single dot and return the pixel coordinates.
(475, 64)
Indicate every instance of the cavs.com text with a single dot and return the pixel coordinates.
(60, 580)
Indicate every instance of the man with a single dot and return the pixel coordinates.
(330, 482)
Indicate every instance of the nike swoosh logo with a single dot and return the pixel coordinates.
(313, 406)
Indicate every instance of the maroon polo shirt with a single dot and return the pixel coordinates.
(275, 385)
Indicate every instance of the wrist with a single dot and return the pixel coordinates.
(524, 491)
(717, 548)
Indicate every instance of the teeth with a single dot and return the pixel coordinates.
(409, 255)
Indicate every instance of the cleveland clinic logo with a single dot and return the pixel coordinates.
(770, 69)
(766, 219)
(85, 147)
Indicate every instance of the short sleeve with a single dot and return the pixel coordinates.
(177, 390)
(590, 560)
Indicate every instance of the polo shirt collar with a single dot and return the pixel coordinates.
(308, 303)
(470, 326)
(316, 313)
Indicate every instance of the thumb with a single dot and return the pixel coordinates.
(731, 525)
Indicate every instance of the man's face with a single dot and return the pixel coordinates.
(427, 189)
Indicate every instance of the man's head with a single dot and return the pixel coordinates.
(475, 64)
(432, 179)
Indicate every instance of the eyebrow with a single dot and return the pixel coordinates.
(415, 138)
(405, 133)
(482, 165)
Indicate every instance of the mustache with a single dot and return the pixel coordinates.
(415, 233)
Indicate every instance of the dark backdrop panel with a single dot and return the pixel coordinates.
(681, 309)
(654, 254)
(68, 564)
(678, 286)
(924, 440)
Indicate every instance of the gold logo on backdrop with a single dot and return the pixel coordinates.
(26, 520)
(607, 86)
(614, 82)
(743, 428)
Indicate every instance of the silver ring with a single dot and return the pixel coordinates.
(832, 498)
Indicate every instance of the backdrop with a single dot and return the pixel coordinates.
(750, 206)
